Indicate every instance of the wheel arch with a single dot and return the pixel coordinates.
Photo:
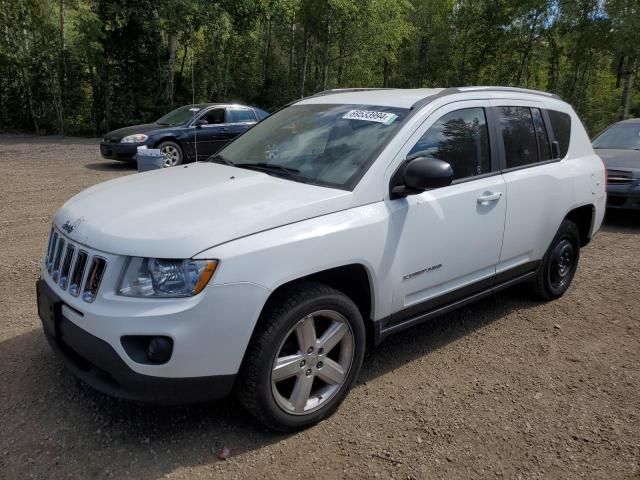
(354, 280)
(583, 217)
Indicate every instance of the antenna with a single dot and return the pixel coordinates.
(194, 109)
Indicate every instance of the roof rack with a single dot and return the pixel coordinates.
(507, 89)
(346, 90)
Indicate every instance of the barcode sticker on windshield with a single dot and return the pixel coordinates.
(371, 116)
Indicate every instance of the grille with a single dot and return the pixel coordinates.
(617, 177)
(74, 268)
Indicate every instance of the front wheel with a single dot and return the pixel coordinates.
(559, 263)
(172, 152)
(305, 355)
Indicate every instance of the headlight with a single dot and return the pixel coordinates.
(156, 277)
(137, 138)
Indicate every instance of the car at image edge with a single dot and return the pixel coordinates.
(187, 133)
(619, 148)
(337, 221)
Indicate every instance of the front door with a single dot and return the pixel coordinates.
(211, 136)
(450, 237)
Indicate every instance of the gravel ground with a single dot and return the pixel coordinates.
(506, 388)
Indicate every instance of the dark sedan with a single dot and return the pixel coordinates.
(619, 148)
(192, 132)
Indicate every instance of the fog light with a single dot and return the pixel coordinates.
(159, 349)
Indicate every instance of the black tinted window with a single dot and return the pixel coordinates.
(561, 125)
(214, 116)
(519, 136)
(238, 115)
(460, 138)
(544, 148)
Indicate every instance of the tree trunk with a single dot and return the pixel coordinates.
(628, 86)
(60, 87)
(325, 73)
(171, 66)
(292, 46)
(303, 76)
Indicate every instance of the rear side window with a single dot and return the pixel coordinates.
(518, 135)
(459, 138)
(544, 148)
(240, 115)
(561, 125)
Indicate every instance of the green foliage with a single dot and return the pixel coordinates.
(88, 66)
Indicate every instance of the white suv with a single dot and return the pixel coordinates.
(335, 222)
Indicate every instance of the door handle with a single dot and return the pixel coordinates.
(224, 129)
(490, 197)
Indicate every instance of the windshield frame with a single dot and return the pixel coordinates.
(608, 129)
(355, 179)
(202, 107)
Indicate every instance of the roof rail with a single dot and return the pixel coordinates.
(346, 90)
(507, 89)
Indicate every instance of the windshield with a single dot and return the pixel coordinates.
(181, 115)
(330, 145)
(624, 136)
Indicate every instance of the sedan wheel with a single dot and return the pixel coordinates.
(172, 153)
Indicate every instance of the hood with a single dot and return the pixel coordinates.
(117, 135)
(179, 212)
(619, 159)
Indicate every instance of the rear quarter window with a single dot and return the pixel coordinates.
(561, 126)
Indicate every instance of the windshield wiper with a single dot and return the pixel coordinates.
(269, 167)
(217, 158)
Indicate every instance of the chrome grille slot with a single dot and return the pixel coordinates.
(52, 250)
(78, 273)
(94, 277)
(58, 259)
(73, 268)
(617, 177)
(66, 266)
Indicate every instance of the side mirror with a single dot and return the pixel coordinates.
(555, 149)
(200, 122)
(420, 174)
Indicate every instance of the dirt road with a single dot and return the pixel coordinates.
(507, 388)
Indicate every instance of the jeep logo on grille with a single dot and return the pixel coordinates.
(67, 227)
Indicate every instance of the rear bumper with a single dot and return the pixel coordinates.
(96, 363)
(624, 197)
(119, 151)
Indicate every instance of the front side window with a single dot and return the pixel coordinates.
(330, 145)
(459, 138)
(561, 125)
(240, 115)
(214, 117)
(625, 136)
(518, 135)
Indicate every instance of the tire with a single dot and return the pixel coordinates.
(559, 264)
(173, 151)
(297, 394)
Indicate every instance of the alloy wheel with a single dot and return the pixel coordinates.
(171, 155)
(312, 362)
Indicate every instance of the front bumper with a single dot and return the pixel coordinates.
(119, 151)
(96, 363)
(625, 196)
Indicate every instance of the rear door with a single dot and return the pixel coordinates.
(239, 119)
(539, 187)
(449, 238)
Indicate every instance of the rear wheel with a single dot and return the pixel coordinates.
(305, 356)
(559, 263)
(173, 153)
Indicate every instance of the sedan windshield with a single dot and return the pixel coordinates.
(624, 136)
(181, 115)
(331, 145)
